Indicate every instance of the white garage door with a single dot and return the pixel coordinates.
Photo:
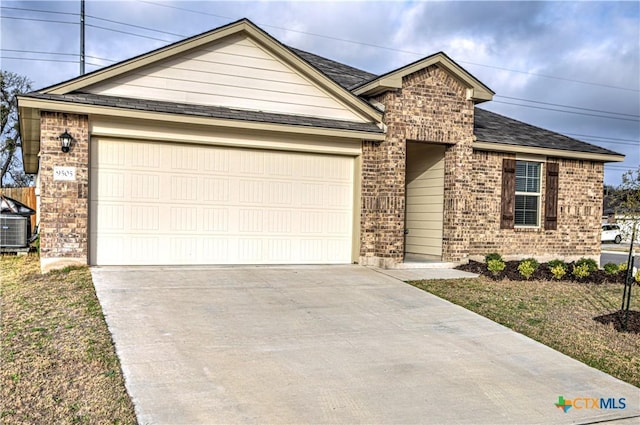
(160, 203)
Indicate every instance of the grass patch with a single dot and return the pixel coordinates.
(566, 316)
(58, 361)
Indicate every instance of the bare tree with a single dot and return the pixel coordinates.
(629, 210)
(11, 169)
(628, 203)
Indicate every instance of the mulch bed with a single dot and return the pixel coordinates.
(617, 320)
(542, 273)
(510, 272)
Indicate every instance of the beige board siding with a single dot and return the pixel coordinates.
(425, 197)
(162, 203)
(235, 73)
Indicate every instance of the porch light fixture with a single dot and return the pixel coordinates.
(65, 140)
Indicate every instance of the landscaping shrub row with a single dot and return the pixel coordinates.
(583, 270)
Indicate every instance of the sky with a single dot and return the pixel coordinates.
(570, 67)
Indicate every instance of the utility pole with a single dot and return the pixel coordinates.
(81, 37)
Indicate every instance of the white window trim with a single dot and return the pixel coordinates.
(537, 194)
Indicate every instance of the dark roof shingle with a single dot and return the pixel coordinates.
(488, 126)
(207, 111)
(345, 75)
(495, 128)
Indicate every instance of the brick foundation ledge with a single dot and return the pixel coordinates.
(380, 262)
(542, 258)
(55, 263)
(409, 265)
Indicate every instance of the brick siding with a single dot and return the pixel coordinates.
(431, 107)
(579, 212)
(63, 204)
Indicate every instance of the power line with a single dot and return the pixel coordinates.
(39, 20)
(620, 167)
(49, 60)
(603, 137)
(289, 30)
(567, 106)
(136, 26)
(302, 32)
(567, 112)
(128, 33)
(38, 10)
(38, 52)
(102, 59)
(393, 49)
(612, 142)
(37, 59)
(88, 16)
(51, 53)
(497, 101)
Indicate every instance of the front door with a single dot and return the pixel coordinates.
(424, 200)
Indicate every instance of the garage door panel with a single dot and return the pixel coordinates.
(218, 205)
(215, 220)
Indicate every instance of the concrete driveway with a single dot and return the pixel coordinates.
(331, 344)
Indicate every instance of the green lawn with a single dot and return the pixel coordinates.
(58, 361)
(558, 314)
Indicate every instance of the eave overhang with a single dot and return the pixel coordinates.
(29, 122)
(30, 108)
(555, 153)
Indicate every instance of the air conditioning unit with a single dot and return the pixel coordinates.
(14, 231)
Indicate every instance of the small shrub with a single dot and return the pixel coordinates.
(492, 256)
(558, 268)
(496, 266)
(554, 263)
(527, 267)
(581, 270)
(622, 267)
(611, 268)
(637, 276)
(558, 271)
(591, 264)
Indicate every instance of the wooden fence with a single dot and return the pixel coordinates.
(26, 195)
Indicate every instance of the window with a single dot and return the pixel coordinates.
(527, 201)
(521, 194)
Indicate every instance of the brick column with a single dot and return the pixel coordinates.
(64, 204)
(383, 190)
(458, 213)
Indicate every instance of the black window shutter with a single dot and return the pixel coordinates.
(508, 201)
(551, 197)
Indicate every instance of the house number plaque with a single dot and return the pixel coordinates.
(64, 173)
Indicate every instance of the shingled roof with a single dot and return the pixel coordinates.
(488, 126)
(345, 75)
(495, 128)
(206, 111)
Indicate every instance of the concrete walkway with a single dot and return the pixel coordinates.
(331, 344)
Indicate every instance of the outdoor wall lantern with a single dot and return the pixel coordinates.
(65, 140)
